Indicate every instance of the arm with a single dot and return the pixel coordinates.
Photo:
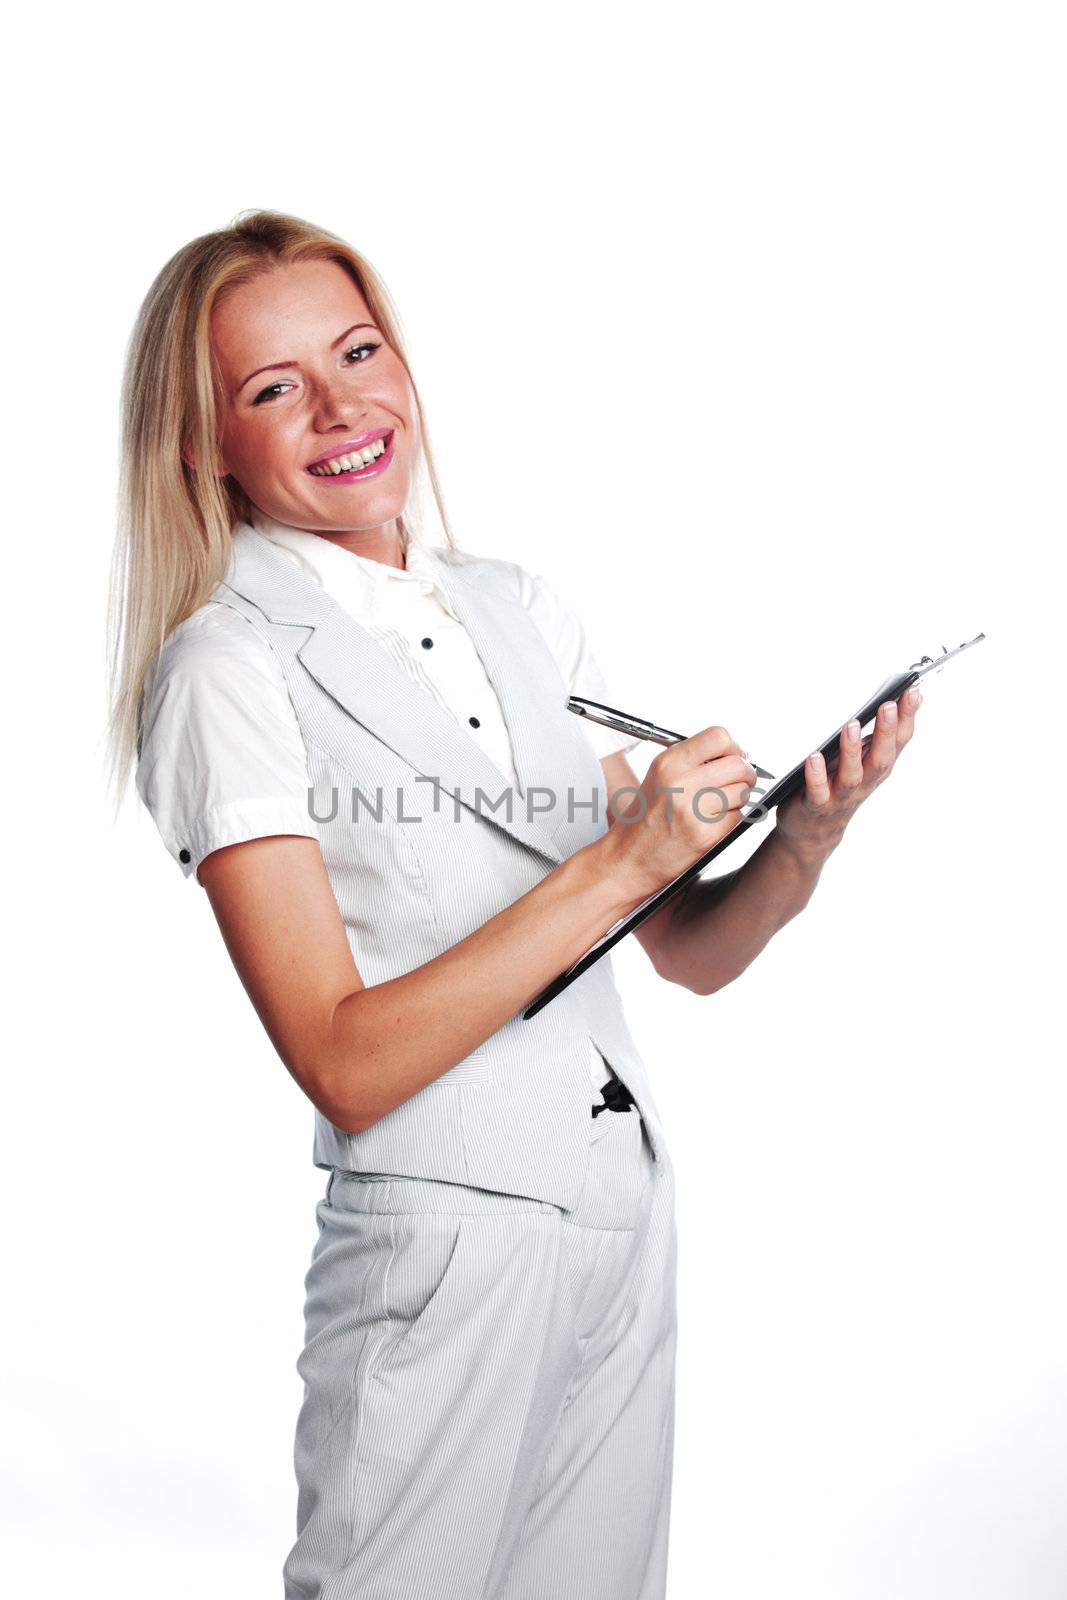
(359, 1051)
(715, 927)
(355, 1051)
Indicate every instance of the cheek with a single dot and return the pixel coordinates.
(397, 392)
(260, 444)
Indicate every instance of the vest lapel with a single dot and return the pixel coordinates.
(354, 669)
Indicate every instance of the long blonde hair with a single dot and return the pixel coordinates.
(175, 524)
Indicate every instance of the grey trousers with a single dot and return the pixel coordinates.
(488, 1407)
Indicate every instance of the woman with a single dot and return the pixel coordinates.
(358, 744)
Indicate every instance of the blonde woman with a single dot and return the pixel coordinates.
(356, 742)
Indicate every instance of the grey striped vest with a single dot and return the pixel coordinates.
(413, 823)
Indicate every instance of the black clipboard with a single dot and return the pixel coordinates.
(891, 689)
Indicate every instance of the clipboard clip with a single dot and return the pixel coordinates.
(927, 664)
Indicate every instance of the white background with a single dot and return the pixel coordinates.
(745, 326)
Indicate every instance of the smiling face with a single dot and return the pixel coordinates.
(309, 383)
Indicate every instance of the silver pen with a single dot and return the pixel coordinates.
(609, 717)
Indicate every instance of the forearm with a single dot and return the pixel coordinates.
(720, 925)
(389, 1040)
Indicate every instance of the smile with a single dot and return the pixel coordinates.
(357, 459)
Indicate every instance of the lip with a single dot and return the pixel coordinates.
(349, 445)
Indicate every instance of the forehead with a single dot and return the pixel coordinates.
(299, 305)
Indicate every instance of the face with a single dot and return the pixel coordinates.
(308, 378)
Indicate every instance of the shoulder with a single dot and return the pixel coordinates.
(213, 671)
(216, 650)
(221, 756)
(216, 633)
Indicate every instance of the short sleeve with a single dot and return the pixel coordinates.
(566, 638)
(221, 757)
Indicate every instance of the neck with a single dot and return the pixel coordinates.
(377, 544)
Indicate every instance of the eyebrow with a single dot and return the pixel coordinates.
(278, 366)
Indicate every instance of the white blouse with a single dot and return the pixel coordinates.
(222, 758)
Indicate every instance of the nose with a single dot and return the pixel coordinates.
(335, 406)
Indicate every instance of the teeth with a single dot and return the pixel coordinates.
(350, 463)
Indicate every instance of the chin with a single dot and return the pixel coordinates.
(349, 512)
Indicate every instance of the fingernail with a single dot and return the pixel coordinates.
(816, 760)
(891, 711)
(853, 730)
(914, 696)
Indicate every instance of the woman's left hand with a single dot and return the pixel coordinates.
(811, 822)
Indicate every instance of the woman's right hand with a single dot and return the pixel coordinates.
(690, 798)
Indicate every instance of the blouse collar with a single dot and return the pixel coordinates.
(359, 583)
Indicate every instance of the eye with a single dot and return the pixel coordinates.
(271, 390)
(274, 389)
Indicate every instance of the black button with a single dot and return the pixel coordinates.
(183, 855)
(427, 644)
(474, 722)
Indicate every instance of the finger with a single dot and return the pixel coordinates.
(865, 745)
(816, 782)
(714, 802)
(883, 749)
(720, 774)
(849, 774)
(727, 769)
(906, 709)
(707, 745)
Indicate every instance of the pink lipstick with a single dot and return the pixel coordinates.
(350, 446)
